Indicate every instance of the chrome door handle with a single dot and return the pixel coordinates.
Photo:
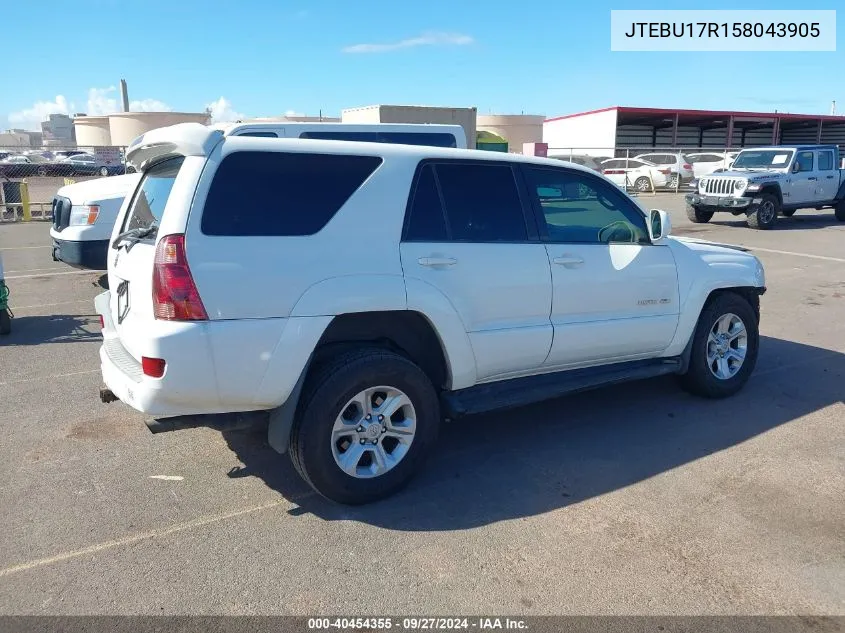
(437, 261)
(570, 261)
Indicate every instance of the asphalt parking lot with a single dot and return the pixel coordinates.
(637, 499)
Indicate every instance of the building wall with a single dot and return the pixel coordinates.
(124, 127)
(592, 134)
(92, 131)
(516, 129)
(465, 117)
(11, 138)
(57, 131)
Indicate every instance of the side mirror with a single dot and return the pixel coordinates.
(796, 168)
(659, 225)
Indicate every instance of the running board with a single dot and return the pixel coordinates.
(518, 392)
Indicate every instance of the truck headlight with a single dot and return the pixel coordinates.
(82, 215)
(740, 184)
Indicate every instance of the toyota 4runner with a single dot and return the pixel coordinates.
(361, 292)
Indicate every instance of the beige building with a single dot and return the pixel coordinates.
(465, 117)
(121, 128)
(516, 129)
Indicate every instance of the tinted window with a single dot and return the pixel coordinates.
(147, 206)
(426, 222)
(261, 134)
(579, 208)
(271, 193)
(482, 202)
(805, 160)
(404, 138)
(825, 161)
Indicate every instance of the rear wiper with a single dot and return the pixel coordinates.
(133, 236)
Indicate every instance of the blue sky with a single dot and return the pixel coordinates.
(265, 57)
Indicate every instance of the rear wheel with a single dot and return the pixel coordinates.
(764, 214)
(724, 347)
(697, 215)
(104, 171)
(367, 420)
(839, 210)
(674, 181)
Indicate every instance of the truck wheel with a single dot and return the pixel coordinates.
(788, 213)
(724, 347)
(839, 210)
(5, 322)
(366, 422)
(697, 215)
(765, 212)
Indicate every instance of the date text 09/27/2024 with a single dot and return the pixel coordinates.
(722, 29)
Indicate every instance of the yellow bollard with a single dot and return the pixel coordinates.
(27, 212)
(69, 181)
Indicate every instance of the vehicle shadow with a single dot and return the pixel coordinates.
(802, 220)
(535, 459)
(52, 328)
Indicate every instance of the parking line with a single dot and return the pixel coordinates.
(32, 270)
(20, 248)
(771, 250)
(73, 373)
(48, 305)
(128, 540)
(70, 272)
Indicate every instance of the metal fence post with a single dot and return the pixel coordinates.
(27, 212)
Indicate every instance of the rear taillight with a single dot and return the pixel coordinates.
(665, 171)
(102, 322)
(175, 295)
(153, 367)
(687, 166)
(613, 171)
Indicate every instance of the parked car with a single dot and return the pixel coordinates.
(580, 159)
(705, 163)
(680, 168)
(635, 173)
(25, 166)
(228, 297)
(89, 164)
(765, 182)
(67, 153)
(84, 214)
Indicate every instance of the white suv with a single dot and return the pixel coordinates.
(360, 291)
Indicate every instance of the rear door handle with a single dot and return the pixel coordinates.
(437, 261)
(570, 261)
(811, 178)
(830, 177)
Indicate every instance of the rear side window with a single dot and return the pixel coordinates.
(482, 202)
(404, 138)
(147, 205)
(281, 194)
(825, 161)
(426, 222)
(259, 134)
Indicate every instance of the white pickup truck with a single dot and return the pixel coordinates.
(766, 181)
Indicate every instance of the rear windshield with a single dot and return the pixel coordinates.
(147, 206)
(428, 139)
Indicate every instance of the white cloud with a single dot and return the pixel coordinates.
(432, 38)
(106, 101)
(222, 111)
(31, 118)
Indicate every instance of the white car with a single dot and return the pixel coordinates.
(84, 214)
(360, 291)
(705, 163)
(634, 173)
(680, 169)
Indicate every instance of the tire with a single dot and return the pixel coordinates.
(696, 215)
(701, 377)
(104, 171)
(5, 322)
(327, 397)
(839, 210)
(643, 183)
(788, 213)
(674, 182)
(41, 171)
(765, 213)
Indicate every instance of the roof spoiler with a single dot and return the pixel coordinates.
(182, 139)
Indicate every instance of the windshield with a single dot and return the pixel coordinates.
(765, 158)
(147, 206)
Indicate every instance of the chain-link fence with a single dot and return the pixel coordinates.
(30, 177)
(650, 169)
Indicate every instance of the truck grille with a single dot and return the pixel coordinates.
(61, 212)
(724, 186)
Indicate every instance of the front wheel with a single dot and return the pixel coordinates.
(764, 214)
(698, 215)
(642, 184)
(104, 171)
(368, 419)
(724, 347)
